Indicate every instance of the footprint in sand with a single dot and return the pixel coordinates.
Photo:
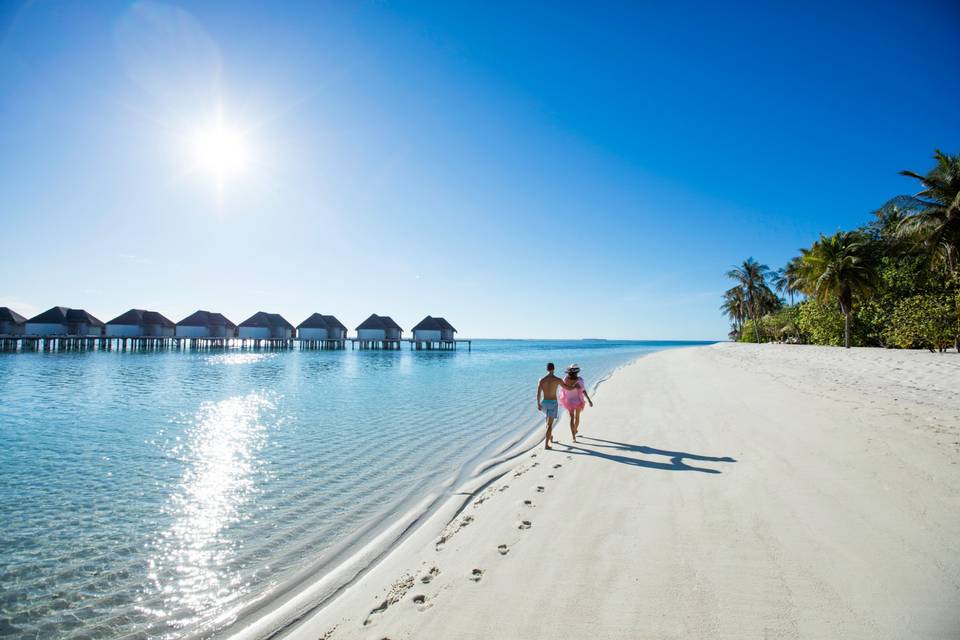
(503, 549)
(420, 601)
(504, 487)
(434, 572)
(376, 612)
(557, 466)
(550, 476)
(397, 590)
(476, 574)
(540, 488)
(528, 503)
(526, 524)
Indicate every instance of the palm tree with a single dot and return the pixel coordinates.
(937, 222)
(734, 307)
(751, 277)
(779, 280)
(838, 267)
(890, 218)
(786, 280)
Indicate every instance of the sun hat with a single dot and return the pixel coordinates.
(573, 367)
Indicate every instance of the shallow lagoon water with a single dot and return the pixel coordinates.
(156, 494)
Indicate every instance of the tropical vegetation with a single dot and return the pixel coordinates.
(892, 282)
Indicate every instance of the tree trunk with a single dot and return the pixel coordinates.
(756, 328)
(846, 329)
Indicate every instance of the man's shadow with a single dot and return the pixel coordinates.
(676, 457)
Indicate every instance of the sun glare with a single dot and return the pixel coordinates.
(221, 151)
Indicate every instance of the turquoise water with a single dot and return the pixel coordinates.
(161, 494)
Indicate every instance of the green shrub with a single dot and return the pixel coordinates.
(898, 277)
(925, 321)
(784, 324)
(820, 323)
(774, 327)
(872, 320)
(748, 334)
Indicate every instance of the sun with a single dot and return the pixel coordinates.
(220, 150)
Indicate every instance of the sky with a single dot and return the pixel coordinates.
(526, 170)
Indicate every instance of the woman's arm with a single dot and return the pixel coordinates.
(587, 396)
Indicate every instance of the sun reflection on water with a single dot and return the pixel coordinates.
(194, 569)
(239, 358)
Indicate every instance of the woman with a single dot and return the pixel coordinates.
(572, 399)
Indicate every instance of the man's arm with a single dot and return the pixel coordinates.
(539, 394)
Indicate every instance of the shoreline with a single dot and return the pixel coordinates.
(280, 612)
(762, 535)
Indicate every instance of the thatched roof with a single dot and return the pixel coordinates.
(333, 323)
(79, 315)
(264, 319)
(389, 323)
(428, 324)
(64, 315)
(206, 319)
(320, 321)
(445, 325)
(373, 322)
(434, 324)
(53, 315)
(379, 322)
(219, 319)
(137, 317)
(315, 321)
(9, 315)
(155, 317)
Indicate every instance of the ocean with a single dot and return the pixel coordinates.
(170, 494)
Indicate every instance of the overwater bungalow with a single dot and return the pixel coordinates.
(265, 326)
(447, 330)
(432, 329)
(321, 327)
(11, 322)
(205, 324)
(379, 328)
(336, 330)
(139, 323)
(64, 321)
(394, 332)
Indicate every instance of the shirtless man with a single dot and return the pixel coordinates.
(547, 400)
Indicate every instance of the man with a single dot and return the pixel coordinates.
(547, 400)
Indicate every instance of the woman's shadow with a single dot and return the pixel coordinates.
(676, 457)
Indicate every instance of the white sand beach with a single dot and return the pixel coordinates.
(732, 491)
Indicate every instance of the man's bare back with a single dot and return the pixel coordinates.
(549, 384)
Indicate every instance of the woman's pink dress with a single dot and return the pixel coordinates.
(571, 399)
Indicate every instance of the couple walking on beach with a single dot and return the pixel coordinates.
(570, 392)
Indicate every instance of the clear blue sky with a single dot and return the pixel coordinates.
(526, 170)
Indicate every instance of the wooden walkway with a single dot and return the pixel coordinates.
(150, 343)
(438, 345)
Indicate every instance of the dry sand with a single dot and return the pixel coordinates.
(733, 491)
